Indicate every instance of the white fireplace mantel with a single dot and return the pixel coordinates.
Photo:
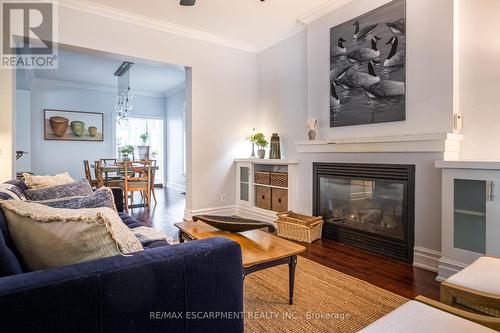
(446, 143)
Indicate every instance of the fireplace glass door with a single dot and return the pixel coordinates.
(372, 206)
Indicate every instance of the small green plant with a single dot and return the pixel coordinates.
(259, 139)
(144, 137)
(127, 150)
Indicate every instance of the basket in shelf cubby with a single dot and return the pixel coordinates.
(279, 200)
(279, 179)
(263, 197)
(262, 177)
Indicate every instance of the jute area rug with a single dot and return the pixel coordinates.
(325, 301)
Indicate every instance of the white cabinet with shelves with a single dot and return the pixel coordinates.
(470, 214)
(260, 199)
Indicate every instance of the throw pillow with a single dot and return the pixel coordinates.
(49, 237)
(12, 191)
(19, 184)
(102, 197)
(80, 189)
(35, 182)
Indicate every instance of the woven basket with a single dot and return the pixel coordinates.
(298, 218)
(279, 200)
(302, 233)
(263, 197)
(262, 177)
(279, 179)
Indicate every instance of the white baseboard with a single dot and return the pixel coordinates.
(256, 214)
(176, 186)
(223, 210)
(448, 267)
(426, 258)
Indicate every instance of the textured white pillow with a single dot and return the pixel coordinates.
(36, 182)
(51, 237)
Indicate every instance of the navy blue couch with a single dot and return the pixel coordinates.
(192, 287)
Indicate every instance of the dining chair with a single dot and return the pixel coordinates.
(88, 175)
(137, 178)
(99, 175)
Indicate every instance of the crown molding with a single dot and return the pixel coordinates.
(281, 38)
(175, 90)
(148, 22)
(78, 85)
(322, 10)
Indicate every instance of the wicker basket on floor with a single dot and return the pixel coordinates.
(302, 228)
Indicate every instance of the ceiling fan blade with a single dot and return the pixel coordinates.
(188, 2)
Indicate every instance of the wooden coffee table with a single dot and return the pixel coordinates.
(259, 249)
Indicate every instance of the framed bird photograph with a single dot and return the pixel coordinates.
(367, 67)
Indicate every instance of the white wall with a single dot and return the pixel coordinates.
(176, 178)
(294, 85)
(51, 157)
(224, 93)
(479, 65)
(23, 129)
(282, 91)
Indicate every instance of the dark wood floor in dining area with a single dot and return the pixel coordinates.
(382, 271)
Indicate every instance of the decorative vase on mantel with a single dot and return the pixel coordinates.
(275, 151)
(261, 153)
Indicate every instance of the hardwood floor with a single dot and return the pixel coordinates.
(384, 272)
(379, 270)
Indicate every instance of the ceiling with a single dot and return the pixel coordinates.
(96, 69)
(251, 22)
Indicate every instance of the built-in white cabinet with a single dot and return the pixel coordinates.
(259, 198)
(244, 183)
(470, 213)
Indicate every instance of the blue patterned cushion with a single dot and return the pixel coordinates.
(12, 191)
(19, 184)
(75, 189)
(102, 197)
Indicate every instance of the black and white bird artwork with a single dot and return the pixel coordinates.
(395, 57)
(361, 33)
(365, 53)
(367, 67)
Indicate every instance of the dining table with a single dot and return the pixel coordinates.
(116, 168)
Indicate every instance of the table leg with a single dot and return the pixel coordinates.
(106, 179)
(291, 276)
(181, 239)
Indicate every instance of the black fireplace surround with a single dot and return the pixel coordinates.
(371, 206)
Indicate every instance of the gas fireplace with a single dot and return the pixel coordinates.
(367, 205)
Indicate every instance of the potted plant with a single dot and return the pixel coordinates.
(126, 151)
(260, 141)
(144, 137)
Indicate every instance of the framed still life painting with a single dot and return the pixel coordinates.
(73, 125)
(367, 67)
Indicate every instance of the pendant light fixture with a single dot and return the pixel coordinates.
(123, 106)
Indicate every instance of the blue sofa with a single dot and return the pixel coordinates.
(191, 287)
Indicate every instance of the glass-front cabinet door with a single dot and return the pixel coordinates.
(243, 186)
(469, 214)
(474, 220)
